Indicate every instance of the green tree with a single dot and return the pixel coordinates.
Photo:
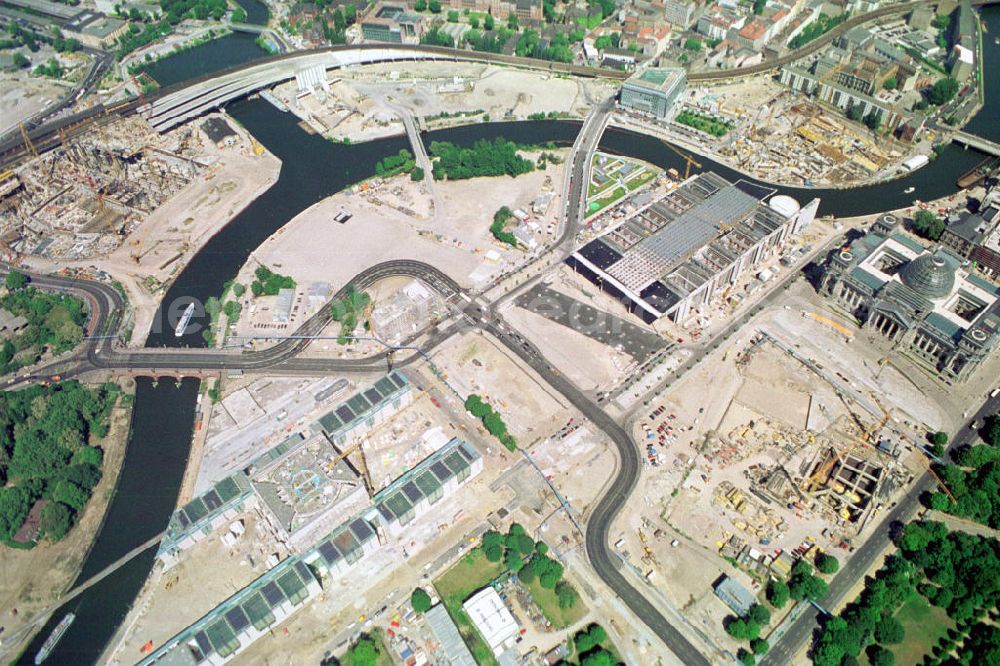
(777, 593)
(16, 280)
(452, 16)
(880, 656)
(991, 430)
(890, 83)
(942, 91)
(513, 561)
(364, 652)
(939, 440)
(15, 503)
(889, 631)
(759, 615)
(928, 225)
(746, 657)
(239, 15)
(435, 6)
(420, 6)
(566, 595)
(874, 119)
(420, 600)
(589, 638)
(512, 21)
(488, 22)
(71, 495)
(416, 174)
(742, 629)
(598, 657)
(759, 646)
(855, 112)
(827, 564)
(758, 6)
(20, 61)
(56, 521)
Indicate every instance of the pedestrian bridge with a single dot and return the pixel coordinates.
(977, 142)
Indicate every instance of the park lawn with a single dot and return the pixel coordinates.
(639, 180)
(471, 573)
(606, 201)
(594, 188)
(924, 625)
(548, 602)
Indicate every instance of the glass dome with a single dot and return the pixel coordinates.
(929, 275)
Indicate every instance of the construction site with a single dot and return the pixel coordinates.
(792, 436)
(83, 198)
(781, 136)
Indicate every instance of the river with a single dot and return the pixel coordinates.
(312, 169)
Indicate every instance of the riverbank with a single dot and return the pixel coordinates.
(33, 580)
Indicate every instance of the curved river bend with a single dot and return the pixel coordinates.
(313, 169)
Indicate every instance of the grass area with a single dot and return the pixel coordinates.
(548, 602)
(924, 625)
(714, 126)
(594, 188)
(605, 201)
(639, 180)
(589, 22)
(472, 573)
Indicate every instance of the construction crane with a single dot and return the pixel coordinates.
(362, 466)
(27, 140)
(687, 158)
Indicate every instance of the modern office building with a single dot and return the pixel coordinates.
(434, 478)
(237, 622)
(653, 91)
(686, 247)
(921, 301)
(391, 23)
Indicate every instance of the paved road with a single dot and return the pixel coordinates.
(862, 560)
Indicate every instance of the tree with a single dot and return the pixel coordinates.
(20, 61)
(759, 646)
(512, 21)
(434, 6)
(239, 15)
(420, 600)
(589, 638)
(942, 91)
(746, 657)
(758, 6)
(855, 112)
(14, 505)
(880, 656)
(566, 595)
(513, 561)
(365, 652)
(741, 629)
(889, 631)
(15, 280)
(874, 120)
(71, 495)
(827, 564)
(416, 174)
(56, 520)
(928, 225)
(991, 430)
(420, 6)
(474, 23)
(777, 593)
(759, 615)
(488, 22)
(598, 657)
(890, 83)
(452, 16)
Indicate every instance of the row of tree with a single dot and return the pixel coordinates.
(483, 158)
(346, 311)
(45, 453)
(590, 645)
(974, 482)
(499, 226)
(401, 162)
(268, 283)
(491, 420)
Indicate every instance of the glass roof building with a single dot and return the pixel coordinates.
(233, 625)
(434, 478)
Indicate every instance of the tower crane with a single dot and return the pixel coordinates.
(687, 158)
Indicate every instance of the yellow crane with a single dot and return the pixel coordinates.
(687, 158)
(362, 465)
(27, 140)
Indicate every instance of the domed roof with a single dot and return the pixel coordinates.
(929, 275)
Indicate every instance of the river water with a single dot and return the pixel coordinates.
(312, 169)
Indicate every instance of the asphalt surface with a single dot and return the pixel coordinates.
(862, 560)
